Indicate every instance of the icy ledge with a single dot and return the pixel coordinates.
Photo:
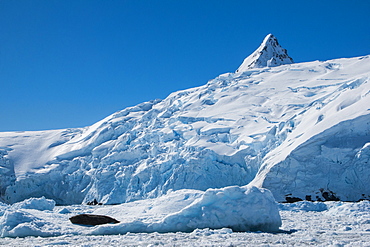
(238, 208)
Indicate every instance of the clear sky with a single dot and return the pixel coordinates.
(70, 63)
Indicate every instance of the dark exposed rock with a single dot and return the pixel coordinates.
(329, 196)
(92, 219)
(95, 202)
(289, 199)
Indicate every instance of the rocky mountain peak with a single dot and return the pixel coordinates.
(268, 54)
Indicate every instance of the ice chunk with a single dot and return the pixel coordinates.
(350, 209)
(304, 206)
(36, 203)
(238, 208)
(18, 223)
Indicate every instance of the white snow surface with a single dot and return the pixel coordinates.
(303, 223)
(238, 208)
(300, 130)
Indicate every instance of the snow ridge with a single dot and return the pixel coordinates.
(268, 54)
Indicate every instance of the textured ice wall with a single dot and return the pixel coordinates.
(138, 153)
(333, 165)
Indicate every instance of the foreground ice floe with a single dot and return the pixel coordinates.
(238, 208)
(303, 223)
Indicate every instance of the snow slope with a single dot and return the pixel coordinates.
(300, 130)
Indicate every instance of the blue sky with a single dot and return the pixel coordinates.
(66, 64)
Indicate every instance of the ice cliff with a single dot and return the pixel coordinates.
(300, 130)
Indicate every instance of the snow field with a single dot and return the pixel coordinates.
(238, 208)
(303, 224)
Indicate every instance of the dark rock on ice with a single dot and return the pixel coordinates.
(329, 196)
(92, 219)
(94, 202)
(289, 199)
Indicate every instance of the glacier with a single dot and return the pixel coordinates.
(300, 130)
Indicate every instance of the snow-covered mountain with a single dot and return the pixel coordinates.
(300, 130)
